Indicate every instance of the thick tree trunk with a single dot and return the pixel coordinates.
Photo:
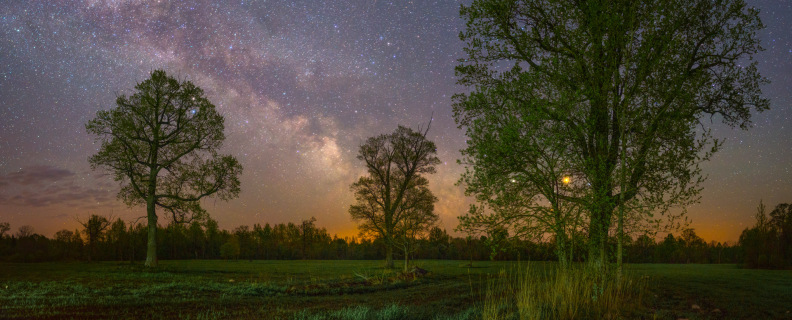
(151, 252)
(598, 238)
(562, 250)
(389, 256)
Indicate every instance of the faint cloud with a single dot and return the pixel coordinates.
(43, 185)
(33, 175)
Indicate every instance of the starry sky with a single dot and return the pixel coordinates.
(301, 84)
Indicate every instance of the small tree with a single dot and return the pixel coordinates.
(416, 222)
(197, 239)
(161, 144)
(63, 239)
(230, 249)
(24, 231)
(4, 227)
(93, 229)
(394, 186)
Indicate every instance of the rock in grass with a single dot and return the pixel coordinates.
(695, 307)
(418, 271)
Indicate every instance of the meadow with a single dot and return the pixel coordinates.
(335, 289)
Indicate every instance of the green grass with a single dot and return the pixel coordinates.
(737, 293)
(349, 290)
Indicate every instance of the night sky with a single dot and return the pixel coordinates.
(301, 85)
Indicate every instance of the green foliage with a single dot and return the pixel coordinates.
(161, 144)
(497, 242)
(230, 249)
(597, 90)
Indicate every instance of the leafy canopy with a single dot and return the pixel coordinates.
(161, 143)
(597, 91)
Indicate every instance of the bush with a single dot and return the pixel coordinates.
(230, 249)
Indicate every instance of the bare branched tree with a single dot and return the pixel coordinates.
(394, 187)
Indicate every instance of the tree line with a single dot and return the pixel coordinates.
(122, 241)
(768, 244)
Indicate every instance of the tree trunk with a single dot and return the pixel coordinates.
(598, 237)
(562, 250)
(620, 234)
(406, 258)
(620, 245)
(151, 253)
(619, 248)
(389, 256)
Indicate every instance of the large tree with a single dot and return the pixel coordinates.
(394, 188)
(161, 143)
(614, 94)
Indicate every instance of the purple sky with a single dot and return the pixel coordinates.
(301, 85)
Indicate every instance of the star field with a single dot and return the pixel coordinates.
(301, 84)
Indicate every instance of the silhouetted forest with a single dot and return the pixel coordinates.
(768, 244)
(120, 241)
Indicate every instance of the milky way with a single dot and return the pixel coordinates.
(301, 85)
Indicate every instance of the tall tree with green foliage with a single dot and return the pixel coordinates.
(597, 89)
(161, 144)
(394, 187)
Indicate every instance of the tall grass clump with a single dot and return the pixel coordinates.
(573, 293)
(499, 299)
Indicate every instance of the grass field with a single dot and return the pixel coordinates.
(352, 289)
